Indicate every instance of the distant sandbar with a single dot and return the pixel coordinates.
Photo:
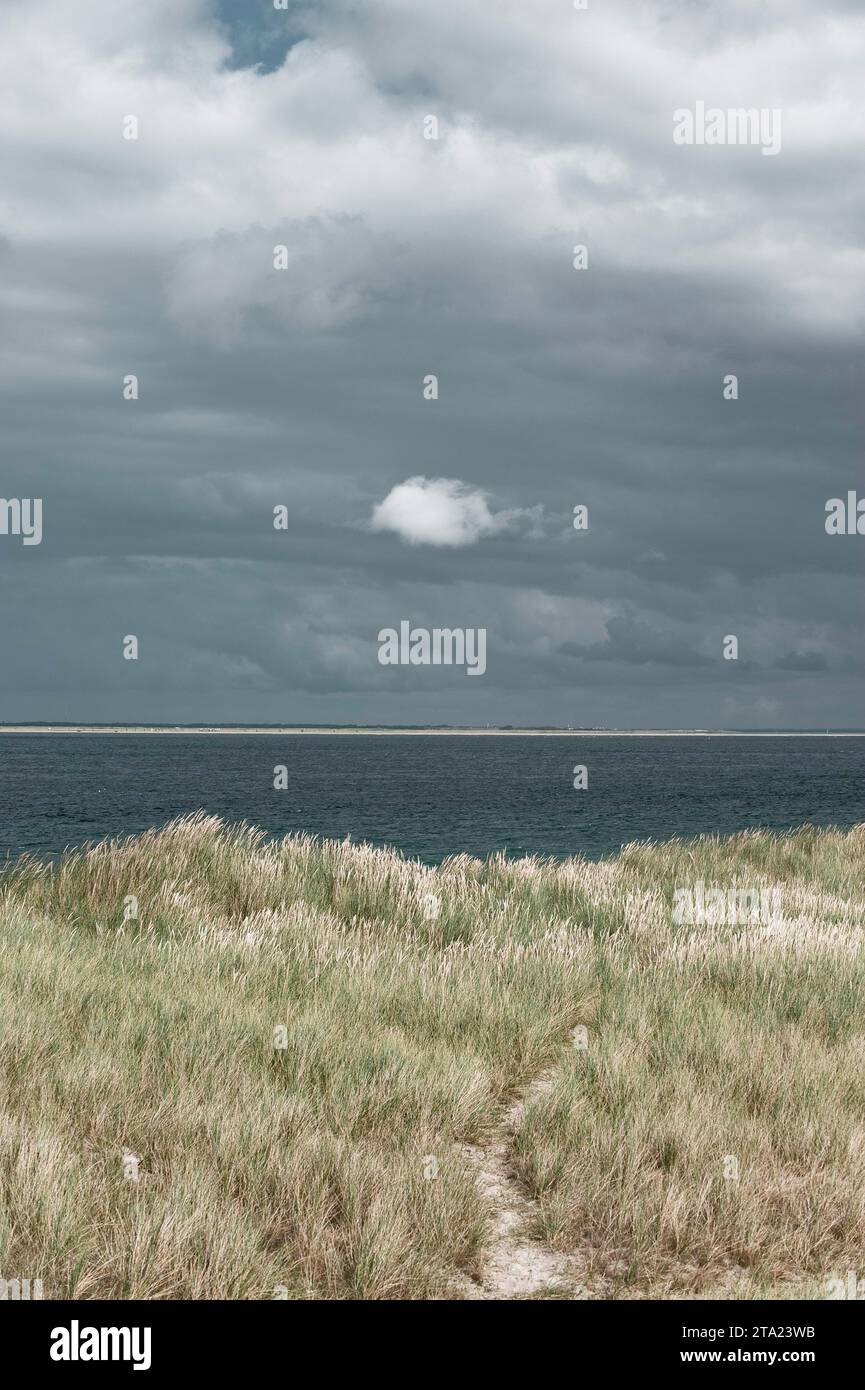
(291, 729)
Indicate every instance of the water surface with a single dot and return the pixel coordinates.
(429, 796)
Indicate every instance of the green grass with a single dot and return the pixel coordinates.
(409, 1022)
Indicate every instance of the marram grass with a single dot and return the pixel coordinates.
(295, 1041)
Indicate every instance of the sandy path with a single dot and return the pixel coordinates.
(515, 1266)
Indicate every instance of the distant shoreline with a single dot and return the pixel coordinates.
(384, 732)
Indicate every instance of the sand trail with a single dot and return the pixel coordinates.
(514, 1265)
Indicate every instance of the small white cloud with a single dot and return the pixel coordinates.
(445, 512)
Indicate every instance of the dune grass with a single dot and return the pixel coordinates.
(297, 1038)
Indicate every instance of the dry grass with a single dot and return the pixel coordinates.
(410, 1022)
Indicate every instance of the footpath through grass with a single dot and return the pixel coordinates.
(292, 1041)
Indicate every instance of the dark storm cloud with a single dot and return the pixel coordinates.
(303, 388)
(802, 661)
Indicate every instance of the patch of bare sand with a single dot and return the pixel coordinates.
(515, 1266)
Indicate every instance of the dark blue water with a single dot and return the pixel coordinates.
(429, 796)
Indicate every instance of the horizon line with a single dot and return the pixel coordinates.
(49, 726)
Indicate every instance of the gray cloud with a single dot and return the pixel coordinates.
(303, 387)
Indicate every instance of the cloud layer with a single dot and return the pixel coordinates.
(301, 386)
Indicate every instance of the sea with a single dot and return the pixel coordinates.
(429, 796)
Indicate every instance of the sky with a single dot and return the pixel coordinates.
(302, 390)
